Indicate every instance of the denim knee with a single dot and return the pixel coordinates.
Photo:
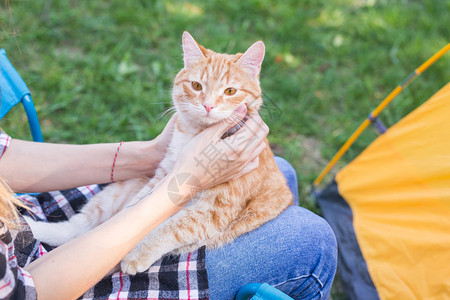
(314, 244)
(295, 252)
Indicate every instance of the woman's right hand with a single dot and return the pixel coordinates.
(207, 160)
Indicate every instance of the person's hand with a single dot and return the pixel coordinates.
(142, 158)
(163, 139)
(209, 160)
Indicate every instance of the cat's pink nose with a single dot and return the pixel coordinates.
(208, 107)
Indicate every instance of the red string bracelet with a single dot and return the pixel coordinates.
(114, 162)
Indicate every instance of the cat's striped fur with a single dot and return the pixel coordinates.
(215, 216)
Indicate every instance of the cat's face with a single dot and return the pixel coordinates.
(211, 86)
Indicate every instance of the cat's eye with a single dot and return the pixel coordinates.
(196, 86)
(230, 91)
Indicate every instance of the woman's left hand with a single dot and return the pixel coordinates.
(163, 139)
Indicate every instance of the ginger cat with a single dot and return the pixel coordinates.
(209, 88)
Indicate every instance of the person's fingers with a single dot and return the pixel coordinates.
(172, 121)
(239, 113)
(252, 161)
(253, 165)
(255, 154)
(241, 149)
(250, 136)
(174, 117)
(254, 123)
(168, 129)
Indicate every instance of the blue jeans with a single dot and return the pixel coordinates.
(296, 253)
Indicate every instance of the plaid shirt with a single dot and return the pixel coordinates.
(15, 283)
(172, 277)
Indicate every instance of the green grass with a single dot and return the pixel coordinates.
(102, 71)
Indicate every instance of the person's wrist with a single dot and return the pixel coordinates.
(162, 196)
(181, 186)
(136, 159)
(148, 157)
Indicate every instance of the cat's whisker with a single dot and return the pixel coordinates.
(170, 110)
(159, 103)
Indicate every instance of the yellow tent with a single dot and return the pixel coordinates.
(393, 204)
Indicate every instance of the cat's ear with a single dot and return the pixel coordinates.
(252, 59)
(191, 50)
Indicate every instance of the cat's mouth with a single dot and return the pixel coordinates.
(235, 120)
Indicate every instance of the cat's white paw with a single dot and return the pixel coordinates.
(137, 261)
(128, 266)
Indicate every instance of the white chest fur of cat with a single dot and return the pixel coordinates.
(219, 83)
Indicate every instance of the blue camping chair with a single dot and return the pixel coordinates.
(257, 291)
(13, 91)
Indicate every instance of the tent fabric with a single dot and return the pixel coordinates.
(399, 192)
(351, 264)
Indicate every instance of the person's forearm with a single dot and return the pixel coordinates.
(39, 167)
(71, 269)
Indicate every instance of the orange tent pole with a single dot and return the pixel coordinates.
(378, 110)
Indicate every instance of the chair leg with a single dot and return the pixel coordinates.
(260, 291)
(32, 118)
(247, 291)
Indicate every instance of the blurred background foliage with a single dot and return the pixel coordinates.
(101, 71)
